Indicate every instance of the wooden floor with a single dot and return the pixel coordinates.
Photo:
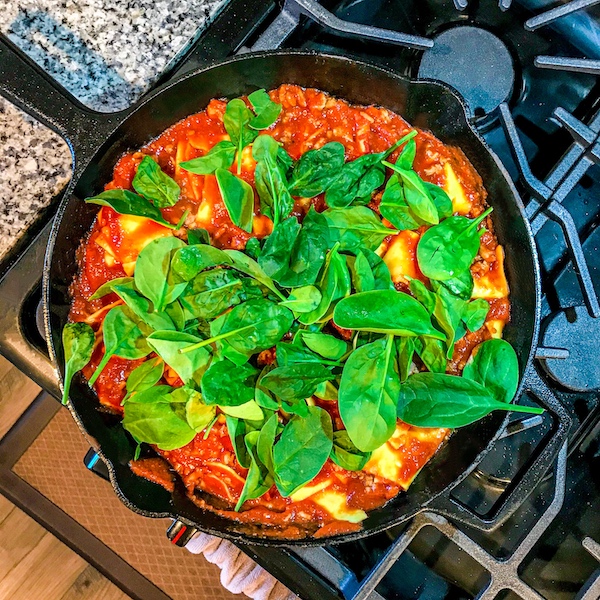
(33, 563)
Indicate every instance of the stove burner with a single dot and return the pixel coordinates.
(474, 62)
(577, 332)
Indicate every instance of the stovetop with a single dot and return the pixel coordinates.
(527, 70)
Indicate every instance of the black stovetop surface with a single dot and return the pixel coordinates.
(549, 541)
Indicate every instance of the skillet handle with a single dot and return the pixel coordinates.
(29, 87)
(527, 479)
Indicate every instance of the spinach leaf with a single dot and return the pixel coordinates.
(109, 287)
(316, 170)
(236, 428)
(175, 312)
(384, 311)
(334, 284)
(446, 250)
(441, 200)
(461, 285)
(326, 345)
(405, 347)
(250, 411)
(188, 261)
(438, 400)
(425, 296)
(381, 273)
(345, 454)
(448, 313)
(258, 479)
(238, 197)
(198, 414)
(198, 236)
(246, 265)
(307, 253)
(78, 344)
(495, 366)
(140, 307)
(475, 313)
(433, 353)
(290, 354)
(253, 248)
(153, 184)
(368, 394)
(211, 293)
(303, 299)
(262, 395)
(359, 178)
(270, 180)
(145, 376)
(251, 327)
(275, 255)
(327, 391)
(302, 450)
(156, 417)
(266, 441)
(189, 366)
(363, 279)
(236, 119)
(153, 276)
(416, 195)
(296, 381)
(407, 157)
(128, 203)
(122, 337)
(394, 207)
(228, 385)
(355, 228)
(266, 110)
(220, 156)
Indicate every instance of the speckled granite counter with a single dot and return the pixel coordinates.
(106, 53)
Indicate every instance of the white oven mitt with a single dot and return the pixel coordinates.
(239, 573)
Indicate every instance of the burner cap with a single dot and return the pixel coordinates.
(474, 62)
(575, 331)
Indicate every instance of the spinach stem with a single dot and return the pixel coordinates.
(100, 368)
(409, 136)
(211, 340)
(533, 410)
(480, 218)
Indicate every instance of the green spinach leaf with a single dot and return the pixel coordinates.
(302, 450)
(296, 381)
(475, 313)
(250, 411)
(238, 197)
(152, 183)
(246, 265)
(303, 299)
(220, 156)
(197, 413)
(316, 170)
(446, 250)
(153, 276)
(355, 228)
(109, 287)
(345, 454)
(326, 345)
(405, 347)
(384, 311)
(236, 119)
(169, 346)
(128, 203)
(122, 337)
(266, 110)
(78, 344)
(258, 479)
(188, 261)
(368, 394)
(145, 376)
(495, 366)
(438, 400)
(228, 385)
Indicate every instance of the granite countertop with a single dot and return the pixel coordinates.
(106, 53)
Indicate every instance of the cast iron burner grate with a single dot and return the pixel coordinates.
(509, 554)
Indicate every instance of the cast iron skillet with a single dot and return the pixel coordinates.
(97, 141)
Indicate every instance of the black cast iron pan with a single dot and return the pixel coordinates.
(97, 141)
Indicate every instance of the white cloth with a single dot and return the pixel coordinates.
(239, 573)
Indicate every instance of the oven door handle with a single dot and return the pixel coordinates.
(528, 477)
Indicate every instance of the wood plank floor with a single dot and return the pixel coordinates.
(33, 563)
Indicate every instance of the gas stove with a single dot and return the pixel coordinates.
(527, 71)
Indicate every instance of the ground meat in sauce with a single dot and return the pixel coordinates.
(309, 119)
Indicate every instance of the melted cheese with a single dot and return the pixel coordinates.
(460, 202)
(309, 490)
(385, 462)
(495, 327)
(401, 256)
(335, 504)
(492, 284)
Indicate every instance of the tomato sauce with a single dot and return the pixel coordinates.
(207, 465)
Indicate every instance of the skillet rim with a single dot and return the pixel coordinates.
(242, 537)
